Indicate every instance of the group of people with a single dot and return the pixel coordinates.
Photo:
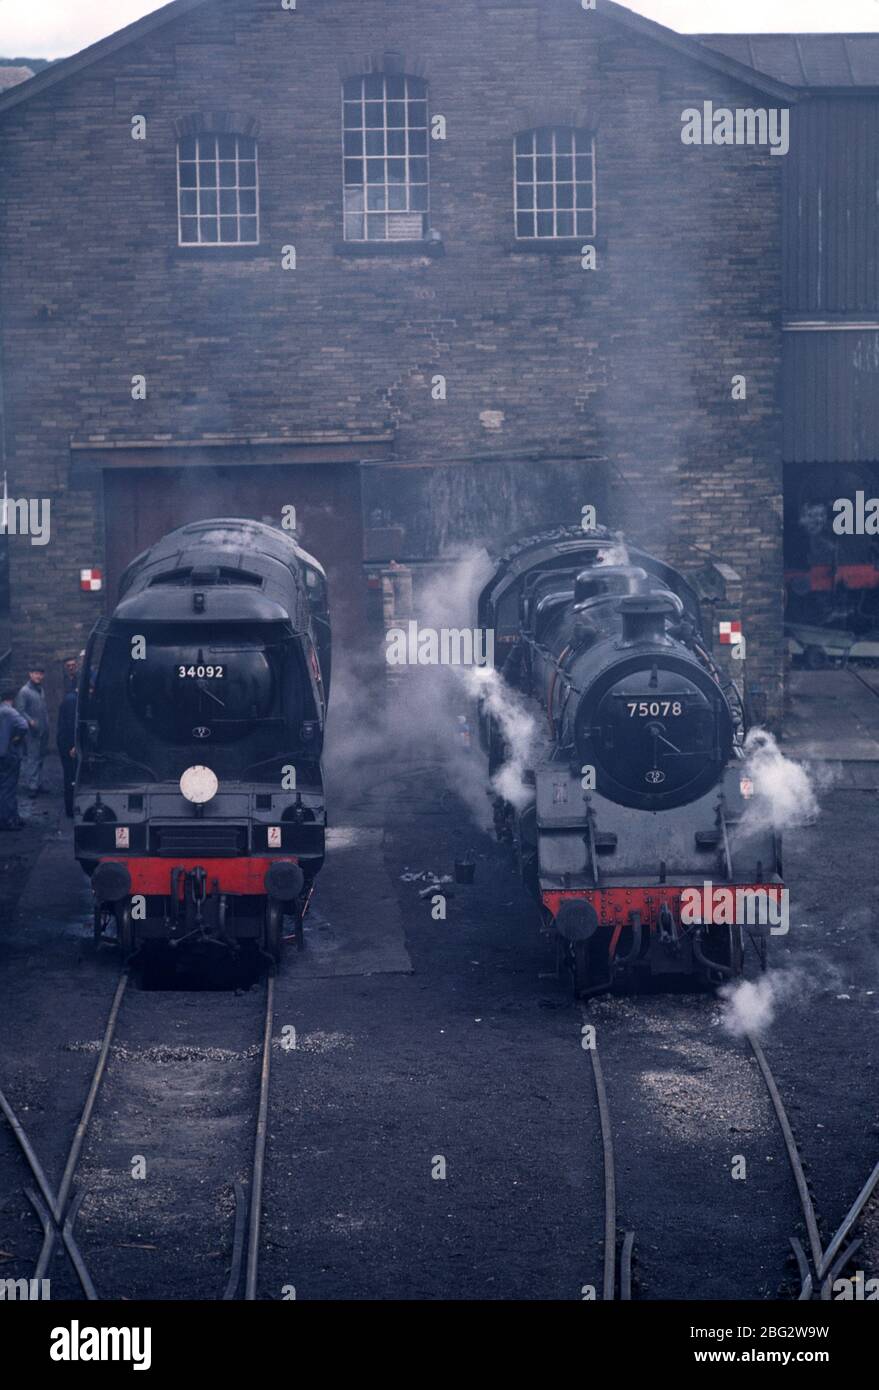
(24, 742)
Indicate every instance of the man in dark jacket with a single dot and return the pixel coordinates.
(70, 666)
(13, 729)
(66, 738)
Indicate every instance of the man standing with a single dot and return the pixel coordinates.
(13, 729)
(70, 665)
(66, 738)
(31, 702)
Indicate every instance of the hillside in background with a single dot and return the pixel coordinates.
(15, 70)
(35, 64)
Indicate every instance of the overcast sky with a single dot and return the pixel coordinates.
(54, 28)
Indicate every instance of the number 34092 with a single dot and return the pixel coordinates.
(200, 672)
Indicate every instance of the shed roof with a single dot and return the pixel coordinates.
(690, 46)
(814, 61)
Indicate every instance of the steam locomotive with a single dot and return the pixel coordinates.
(637, 784)
(199, 809)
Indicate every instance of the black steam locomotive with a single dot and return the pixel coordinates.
(199, 806)
(637, 784)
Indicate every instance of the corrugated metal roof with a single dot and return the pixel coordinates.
(805, 60)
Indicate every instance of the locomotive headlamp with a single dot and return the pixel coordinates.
(199, 784)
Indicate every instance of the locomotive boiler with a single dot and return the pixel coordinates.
(636, 785)
(199, 803)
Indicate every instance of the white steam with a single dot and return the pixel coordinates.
(424, 723)
(616, 553)
(516, 725)
(784, 792)
(751, 1006)
(450, 601)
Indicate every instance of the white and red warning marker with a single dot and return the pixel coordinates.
(91, 581)
(730, 633)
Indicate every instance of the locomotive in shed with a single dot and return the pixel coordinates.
(199, 809)
(636, 787)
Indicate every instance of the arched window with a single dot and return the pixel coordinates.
(554, 183)
(384, 133)
(217, 190)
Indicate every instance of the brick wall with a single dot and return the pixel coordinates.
(631, 363)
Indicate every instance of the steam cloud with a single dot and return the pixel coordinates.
(517, 727)
(420, 722)
(450, 602)
(750, 1006)
(784, 792)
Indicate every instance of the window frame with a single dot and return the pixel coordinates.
(387, 212)
(577, 133)
(198, 217)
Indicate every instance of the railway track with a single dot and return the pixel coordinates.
(817, 1269)
(57, 1210)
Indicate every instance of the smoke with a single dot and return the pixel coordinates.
(450, 601)
(617, 553)
(516, 725)
(423, 723)
(751, 1006)
(784, 792)
(411, 731)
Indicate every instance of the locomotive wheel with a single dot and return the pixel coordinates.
(726, 949)
(815, 659)
(103, 916)
(273, 929)
(124, 928)
(580, 967)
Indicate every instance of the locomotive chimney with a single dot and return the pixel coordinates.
(645, 616)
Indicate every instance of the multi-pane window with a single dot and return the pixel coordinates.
(555, 183)
(217, 190)
(384, 120)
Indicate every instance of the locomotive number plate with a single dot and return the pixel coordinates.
(654, 709)
(201, 672)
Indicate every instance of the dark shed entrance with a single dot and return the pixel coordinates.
(148, 492)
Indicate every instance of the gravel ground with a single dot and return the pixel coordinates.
(469, 1067)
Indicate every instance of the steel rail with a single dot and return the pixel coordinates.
(56, 1212)
(43, 1202)
(237, 1241)
(259, 1148)
(609, 1272)
(62, 1202)
(827, 1271)
(794, 1159)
